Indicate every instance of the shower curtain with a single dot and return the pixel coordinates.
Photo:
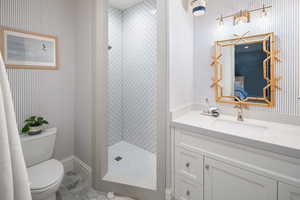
(14, 182)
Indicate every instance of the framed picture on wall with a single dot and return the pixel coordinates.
(28, 50)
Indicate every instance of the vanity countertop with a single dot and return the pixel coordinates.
(275, 137)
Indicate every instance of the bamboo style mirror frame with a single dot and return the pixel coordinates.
(244, 70)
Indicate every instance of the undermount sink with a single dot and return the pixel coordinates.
(237, 127)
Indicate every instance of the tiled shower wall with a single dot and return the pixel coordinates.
(139, 75)
(114, 110)
(132, 82)
(283, 20)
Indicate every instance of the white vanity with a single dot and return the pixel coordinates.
(223, 159)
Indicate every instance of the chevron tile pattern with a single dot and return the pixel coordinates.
(115, 77)
(132, 82)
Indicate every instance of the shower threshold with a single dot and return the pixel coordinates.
(131, 165)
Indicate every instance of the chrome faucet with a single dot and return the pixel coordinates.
(211, 111)
(240, 113)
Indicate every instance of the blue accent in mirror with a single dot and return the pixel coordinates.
(249, 79)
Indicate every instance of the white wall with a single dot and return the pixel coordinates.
(283, 20)
(181, 53)
(49, 93)
(181, 64)
(84, 82)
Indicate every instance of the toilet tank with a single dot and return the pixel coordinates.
(38, 148)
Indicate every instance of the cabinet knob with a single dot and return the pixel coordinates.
(207, 167)
(187, 165)
(188, 193)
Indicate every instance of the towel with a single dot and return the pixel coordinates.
(240, 92)
(14, 182)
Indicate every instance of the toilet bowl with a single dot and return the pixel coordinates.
(45, 179)
(45, 174)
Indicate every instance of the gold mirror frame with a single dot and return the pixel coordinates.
(217, 76)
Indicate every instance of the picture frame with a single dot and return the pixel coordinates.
(28, 50)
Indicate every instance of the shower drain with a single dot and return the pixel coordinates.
(118, 158)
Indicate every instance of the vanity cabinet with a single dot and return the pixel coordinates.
(223, 181)
(189, 174)
(288, 192)
(207, 168)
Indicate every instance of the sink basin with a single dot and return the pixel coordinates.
(236, 127)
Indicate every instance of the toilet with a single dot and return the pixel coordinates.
(45, 173)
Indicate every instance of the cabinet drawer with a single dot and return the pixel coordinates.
(189, 165)
(187, 190)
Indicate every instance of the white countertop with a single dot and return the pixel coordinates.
(275, 137)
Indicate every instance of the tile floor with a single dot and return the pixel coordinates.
(128, 164)
(74, 187)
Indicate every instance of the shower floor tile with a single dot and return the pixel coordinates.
(131, 165)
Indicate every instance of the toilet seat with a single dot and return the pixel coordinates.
(45, 176)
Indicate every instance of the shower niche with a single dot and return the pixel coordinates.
(132, 93)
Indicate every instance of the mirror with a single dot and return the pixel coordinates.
(244, 70)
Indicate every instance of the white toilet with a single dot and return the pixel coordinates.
(45, 173)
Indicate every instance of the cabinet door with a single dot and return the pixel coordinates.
(223, 181)
(288, 192)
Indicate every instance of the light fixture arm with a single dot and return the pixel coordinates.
(264, 8)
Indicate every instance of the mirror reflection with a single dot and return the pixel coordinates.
(243, 70)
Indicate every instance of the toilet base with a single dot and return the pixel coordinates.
(52, 197)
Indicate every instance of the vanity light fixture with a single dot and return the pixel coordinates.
(221, 21)
(198, 7)
(241, 17)
(244, 16)
(263, 11)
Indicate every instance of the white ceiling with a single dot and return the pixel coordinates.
(123, 4)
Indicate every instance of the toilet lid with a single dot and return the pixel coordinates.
(45, 174)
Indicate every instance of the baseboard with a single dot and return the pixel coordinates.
(73, 163)
(68, 163)
(84, 169)
(169, 195)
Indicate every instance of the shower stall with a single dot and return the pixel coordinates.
(132, 93)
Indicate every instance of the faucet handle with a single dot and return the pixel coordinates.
(241, 106)
(213, 109)
(206, 100)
